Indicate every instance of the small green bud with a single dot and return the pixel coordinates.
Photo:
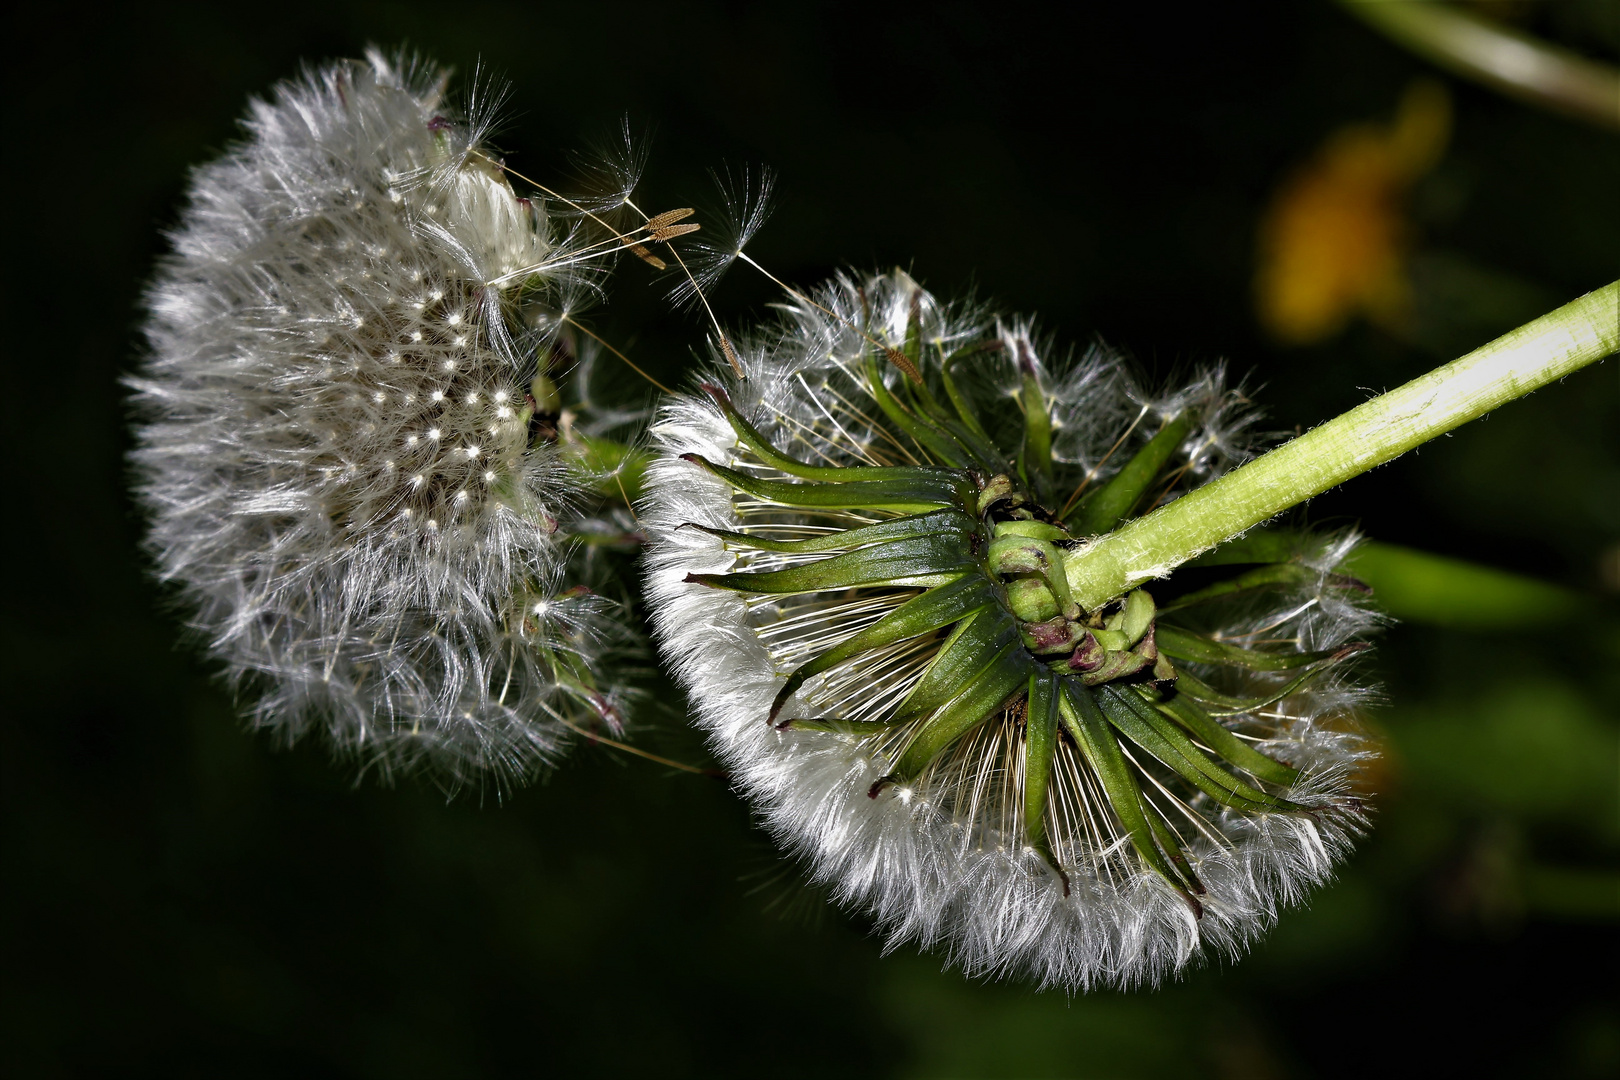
(1112, 640)
(1036, 530)
(1031, 600)
(1134, 619)
(996, 489)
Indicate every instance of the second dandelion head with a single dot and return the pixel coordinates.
(861, 567)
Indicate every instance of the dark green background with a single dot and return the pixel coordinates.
(182, 898)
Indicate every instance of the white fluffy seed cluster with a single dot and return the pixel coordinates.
(941, 861)
(334, 440)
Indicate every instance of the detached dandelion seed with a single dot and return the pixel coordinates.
(336, 439)
(747, 207)
(747, 198)
(862, 578)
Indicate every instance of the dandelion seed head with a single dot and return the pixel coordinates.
(329, 482)
(941, 858)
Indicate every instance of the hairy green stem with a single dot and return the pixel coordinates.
(1560, 342)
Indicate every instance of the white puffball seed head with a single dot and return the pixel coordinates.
(335, 481)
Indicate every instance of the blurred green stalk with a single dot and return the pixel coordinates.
(1417, 586)
(1571, 893)
(1490, 53)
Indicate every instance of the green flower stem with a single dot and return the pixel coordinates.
(1560, 342)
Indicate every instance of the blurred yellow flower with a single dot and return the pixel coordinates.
(1332, 241)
